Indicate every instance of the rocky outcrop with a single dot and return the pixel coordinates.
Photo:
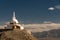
(17, 35)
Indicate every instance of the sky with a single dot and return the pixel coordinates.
(30, 11)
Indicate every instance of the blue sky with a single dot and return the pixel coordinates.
(29, 11)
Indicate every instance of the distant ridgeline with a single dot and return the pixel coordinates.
(48, 35)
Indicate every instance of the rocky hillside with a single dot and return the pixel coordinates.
(16, 35)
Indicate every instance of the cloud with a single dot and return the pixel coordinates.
(42, 27)
(47, 22)
(51, 8)
(57, 7)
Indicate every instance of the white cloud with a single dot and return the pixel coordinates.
(47, 22)
(42, 27)
(51, 8)
(55, 7)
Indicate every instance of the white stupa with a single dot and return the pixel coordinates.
(14, 24)
(14, 18)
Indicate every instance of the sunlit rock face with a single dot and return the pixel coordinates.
(17, 35)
